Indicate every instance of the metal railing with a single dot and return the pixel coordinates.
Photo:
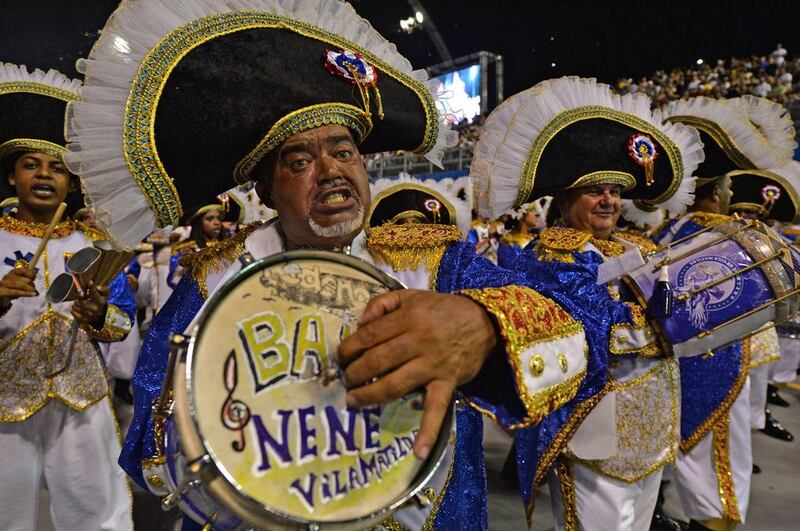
(391, 165)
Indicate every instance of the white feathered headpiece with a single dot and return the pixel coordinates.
(148, 152)
(572, 132)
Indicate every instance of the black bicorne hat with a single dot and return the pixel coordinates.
(32, 106)
(770, 194)
(212, 97)
(572, 132)
(731, 141)
(409, 202)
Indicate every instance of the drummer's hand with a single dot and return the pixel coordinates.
(17, 283)
(91, 309)
(414, 339)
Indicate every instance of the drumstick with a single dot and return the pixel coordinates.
(47, 234)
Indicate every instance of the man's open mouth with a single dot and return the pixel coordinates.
(335, 200)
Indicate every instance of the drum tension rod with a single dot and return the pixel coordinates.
(670, 260)
(194, 470)
(704, 333)
(718, 281)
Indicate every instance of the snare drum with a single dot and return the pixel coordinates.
(727, 281)
(258, 433)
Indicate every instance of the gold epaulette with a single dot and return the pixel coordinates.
(516, 238)
(642, 242)
(187, 246)
(405, 247)
(558, 243)
(707, 219)
(92, 233)
(200, 263)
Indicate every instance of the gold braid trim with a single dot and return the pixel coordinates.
(707, 219)
(35, 229)
(721, 410)
(642, 242)
(405, 247)
(555, 449)
(722, 464)
(566, 482)
(609, 248)
(526, 318)
(199, 264)
(558, 244)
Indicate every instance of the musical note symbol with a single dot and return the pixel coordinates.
(235, 413)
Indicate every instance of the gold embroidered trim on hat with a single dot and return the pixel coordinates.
(406, 247)
(139, 142)
(621, 178)
(301, 120)
(690, 440)
(566, 482)
(32, 145)
(722, 464)
(32, 87)
(719, 135)
(527, 318)
(214, 257)
(34, 229)
(411, 186)
(587, 112)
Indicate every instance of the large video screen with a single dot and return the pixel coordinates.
(459, 94)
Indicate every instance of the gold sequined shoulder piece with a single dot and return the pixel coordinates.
(405, 247)
(707, 219)
(642, 242)
(558, 243)
(34, 229)
(201, 262)
(186, 247)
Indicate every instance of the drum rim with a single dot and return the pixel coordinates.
(427, 471)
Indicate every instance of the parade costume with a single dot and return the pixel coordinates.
(715, 465)
(513, 242)
(57, 431)
(389, 108)
(607, 447)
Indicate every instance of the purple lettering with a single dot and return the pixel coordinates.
(307, 494)
(371, 429)
(265, 438)
(306, 432)
(336, 430)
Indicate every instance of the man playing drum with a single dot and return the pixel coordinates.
(289, 96)
(715, 464)
(589, 149)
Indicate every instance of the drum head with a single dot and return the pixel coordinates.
(276, 429)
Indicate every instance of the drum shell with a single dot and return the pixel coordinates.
(218, 495)
(730, 310)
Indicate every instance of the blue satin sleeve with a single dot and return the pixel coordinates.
(174, 316)
(121, 296)
(472, 237)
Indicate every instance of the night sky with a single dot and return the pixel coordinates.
(604, 38)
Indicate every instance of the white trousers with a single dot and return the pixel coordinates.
(696, 473)
(785, 369)
(74, 456)
(759, 377)
(606, 504)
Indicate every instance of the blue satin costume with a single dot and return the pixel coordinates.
(464, 503)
